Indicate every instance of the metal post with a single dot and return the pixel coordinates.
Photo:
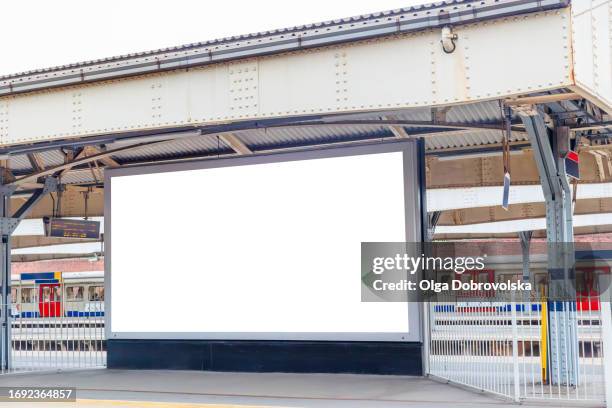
(5, 272)
(525, 237)
(606, 334)
(425, 237)
(548, 154)
(515, 356)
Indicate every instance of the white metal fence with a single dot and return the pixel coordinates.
(518, 350)
(510, 348)
(50, 334)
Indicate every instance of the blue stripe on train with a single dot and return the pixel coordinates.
(444, 308)
(69, 313)
(561, 306)
(38, 275)
(75, 313)
(535, 307)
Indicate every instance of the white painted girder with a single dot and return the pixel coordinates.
(592, 43)
(530, 224)
(493, 59)
(442, 199)
(81, 248)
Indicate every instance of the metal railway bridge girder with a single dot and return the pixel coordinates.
(395, 71)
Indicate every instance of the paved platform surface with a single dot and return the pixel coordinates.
(186, 389)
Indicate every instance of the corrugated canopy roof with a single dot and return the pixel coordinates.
(475, 127)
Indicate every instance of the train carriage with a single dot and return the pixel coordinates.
(58, 294)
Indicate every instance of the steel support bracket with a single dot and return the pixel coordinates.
(8, 225)
(7, 189)
(51, 185)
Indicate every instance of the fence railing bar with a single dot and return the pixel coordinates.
(497, 347)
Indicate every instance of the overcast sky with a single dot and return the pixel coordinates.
(43, 33)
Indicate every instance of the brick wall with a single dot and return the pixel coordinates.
(57, 265)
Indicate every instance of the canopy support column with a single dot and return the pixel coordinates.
(549, 148)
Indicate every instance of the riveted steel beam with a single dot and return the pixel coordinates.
(402, 21)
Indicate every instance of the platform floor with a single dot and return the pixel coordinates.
(186, 389)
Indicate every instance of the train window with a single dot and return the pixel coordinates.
(74, 293)
(96, 293)
(28, 295)
(541, 279)
(13, 295)
(483, 277)
(581, 281)
(512, 277)
(46, 294)
(57, 293)
(444, 278)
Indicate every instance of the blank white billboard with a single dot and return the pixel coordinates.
(253, 250)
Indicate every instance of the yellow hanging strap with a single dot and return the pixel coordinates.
(544, 338)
